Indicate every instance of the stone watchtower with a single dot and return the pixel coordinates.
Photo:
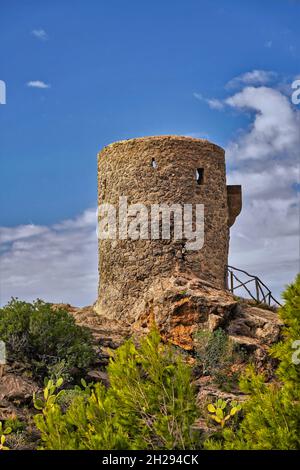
(158, 170)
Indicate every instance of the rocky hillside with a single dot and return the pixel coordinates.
(180, 307)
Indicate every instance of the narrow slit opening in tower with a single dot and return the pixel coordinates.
(199, 175)
(154, 164)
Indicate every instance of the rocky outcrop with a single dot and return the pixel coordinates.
(15, 388)
(16, 392)
(180, 306)
(106, 333)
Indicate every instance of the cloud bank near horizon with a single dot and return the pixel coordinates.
(56, 263)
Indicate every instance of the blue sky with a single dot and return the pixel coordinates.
(81, 74)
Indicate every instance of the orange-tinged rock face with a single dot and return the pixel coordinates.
(182, 336)
(179, 307)
(183, 323)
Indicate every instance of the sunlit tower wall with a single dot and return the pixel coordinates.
(157, 170)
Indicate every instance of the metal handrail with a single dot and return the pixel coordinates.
(262, 292)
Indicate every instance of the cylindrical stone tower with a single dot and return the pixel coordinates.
(162, 170)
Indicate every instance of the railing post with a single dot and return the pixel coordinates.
(257, 289)
(231, 281)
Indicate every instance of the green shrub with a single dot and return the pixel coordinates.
(14, 424)
(150, 404)
(216, 354)
(272, 412)
(213, 350)
(48, 340)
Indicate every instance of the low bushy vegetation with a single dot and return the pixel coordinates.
(48, 341)
(150, 404)
(218, 357)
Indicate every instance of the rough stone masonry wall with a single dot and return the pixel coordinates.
(128, 268)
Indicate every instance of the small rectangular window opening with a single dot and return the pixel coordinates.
(199, 175)
(153, 163)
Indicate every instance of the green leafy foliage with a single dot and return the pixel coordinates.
(272, 412)
(220, 413)
(3, 434)
(287, 351)
(47, 340)
(150, 404)
(14, 425)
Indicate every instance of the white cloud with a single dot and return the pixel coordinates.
(10, 234)
(56, 263)
(37, 84)
(198, 96)
(265, 240)
(255, 77)
(275, 131)
(213, 103)
(265, 159)
(40, 34)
